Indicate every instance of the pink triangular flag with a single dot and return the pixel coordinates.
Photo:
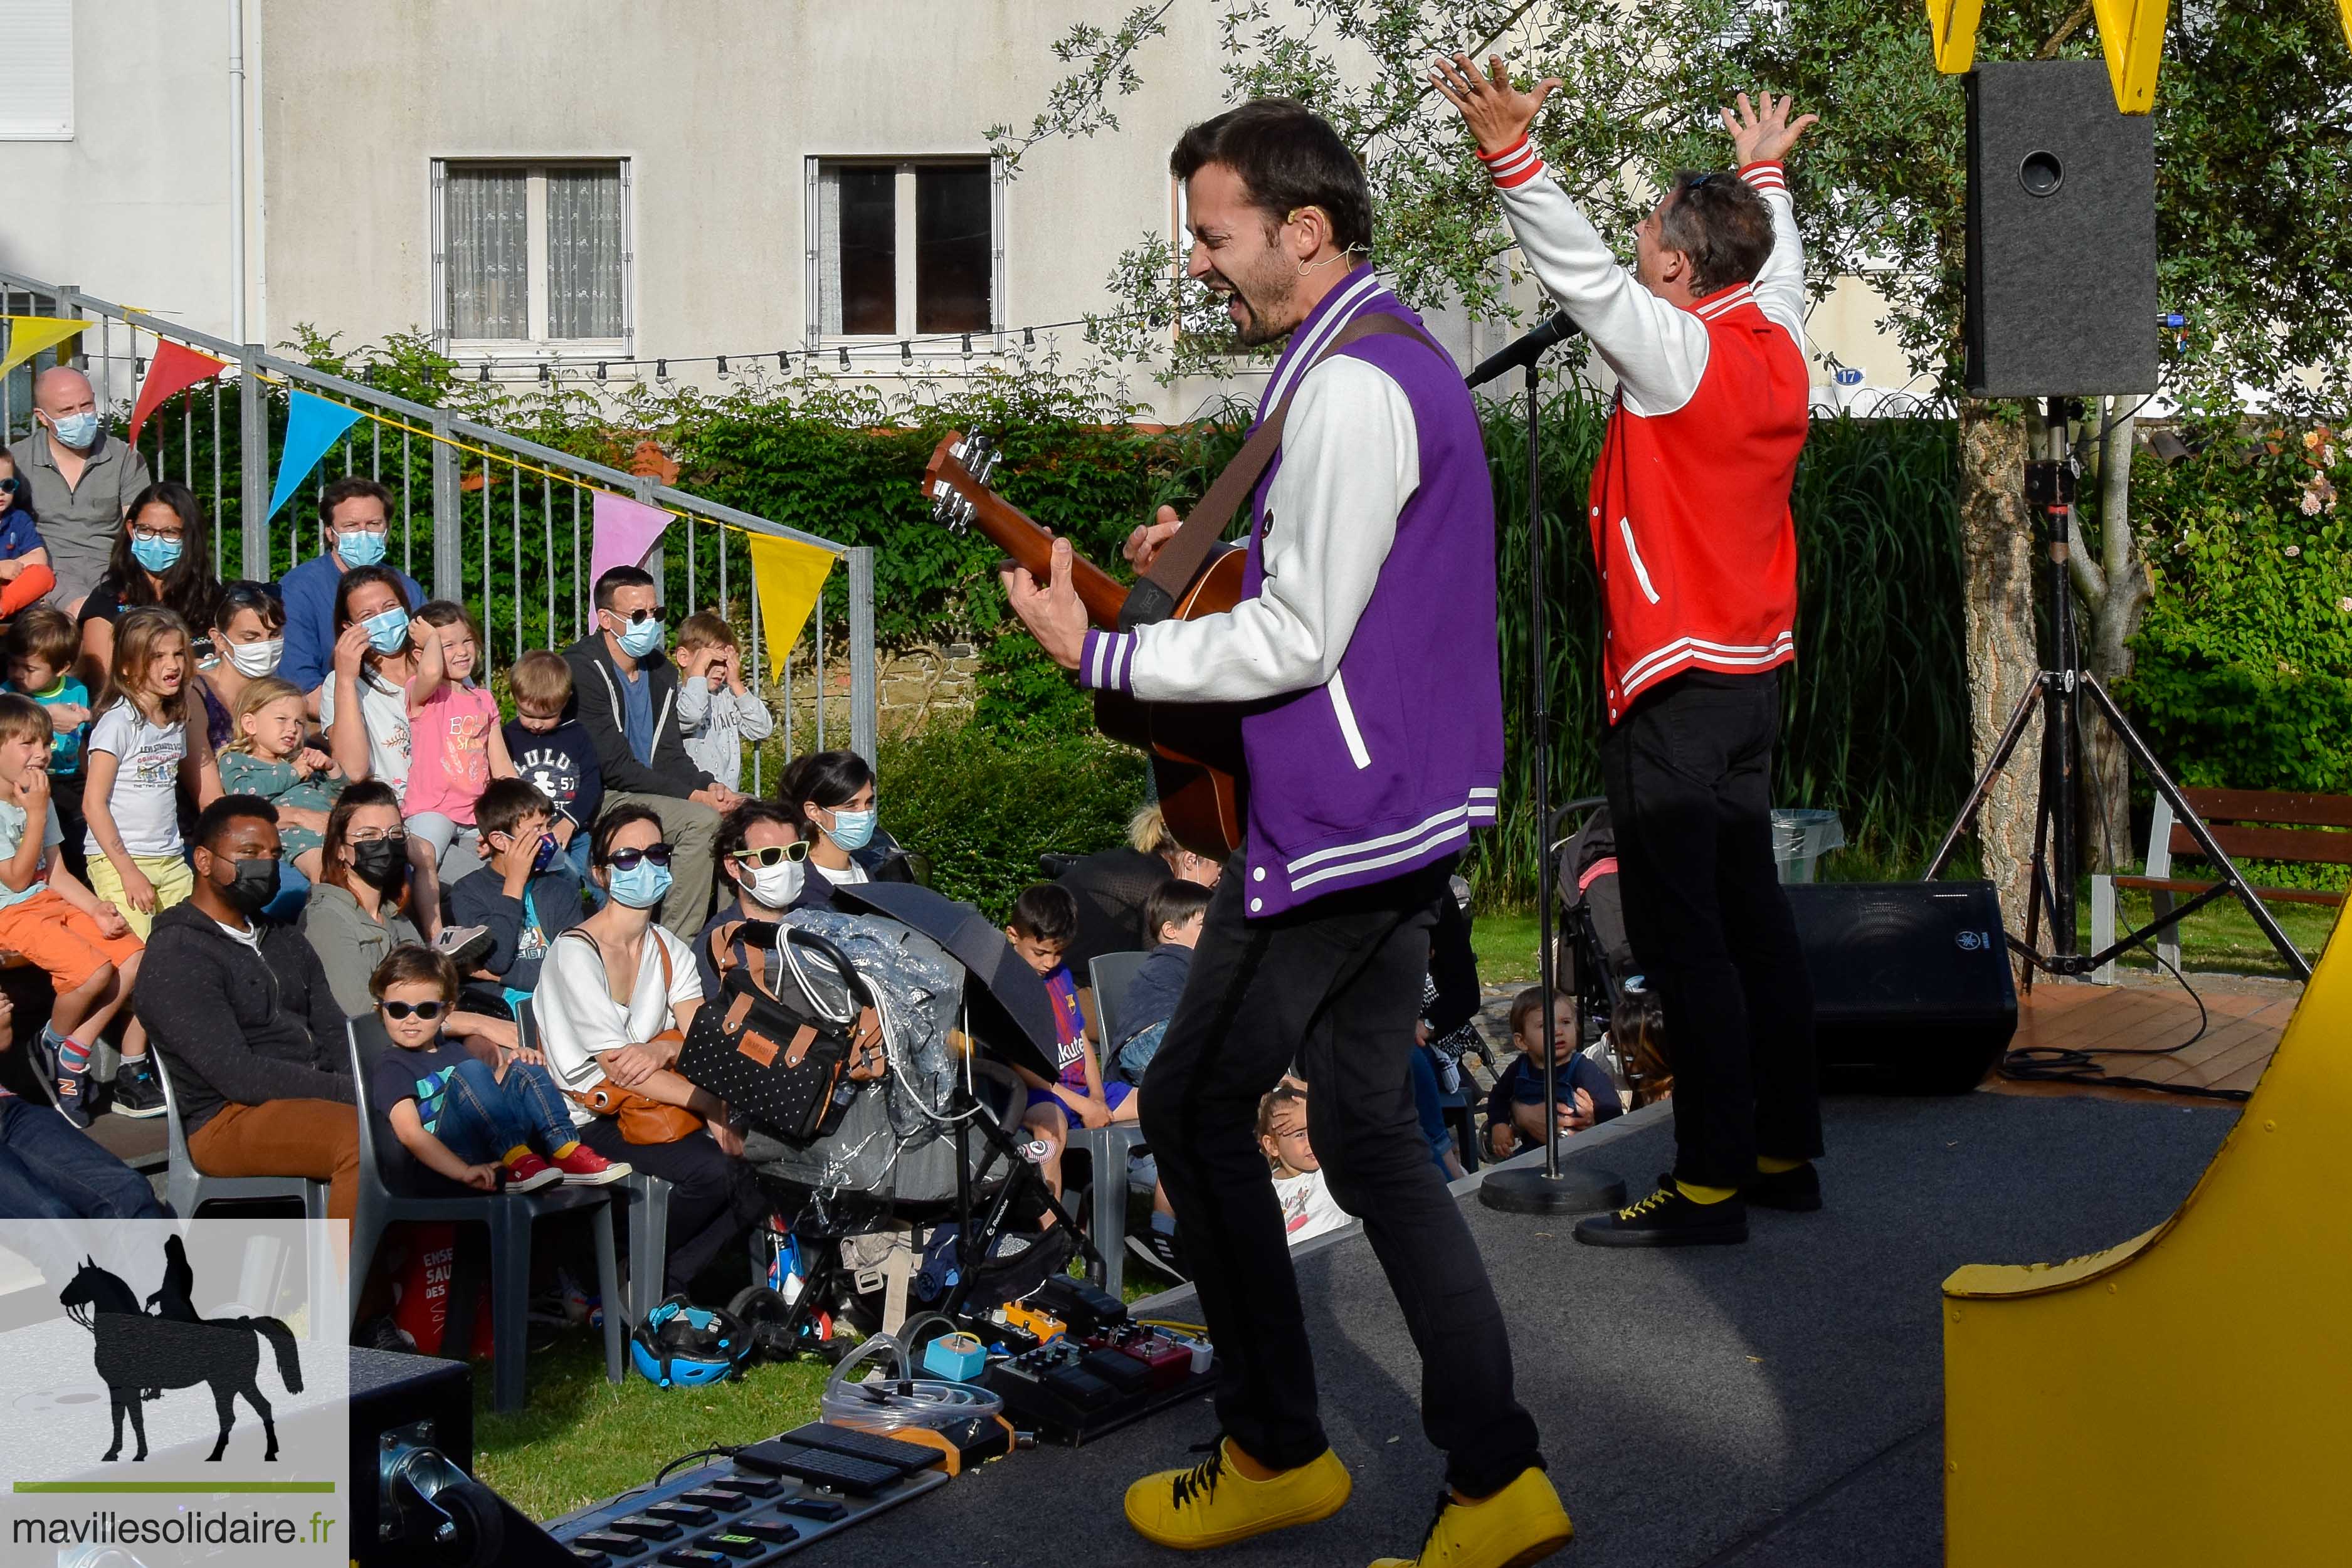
(626, 532)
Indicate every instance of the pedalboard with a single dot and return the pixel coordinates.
(1073, 1390)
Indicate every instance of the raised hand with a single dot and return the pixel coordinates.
(1144, 545)
(1761, 132)
(1497, 113)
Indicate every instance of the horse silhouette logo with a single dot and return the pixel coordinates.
(141, 1354)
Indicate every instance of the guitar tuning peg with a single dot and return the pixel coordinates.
(965, 512)
(987, 467)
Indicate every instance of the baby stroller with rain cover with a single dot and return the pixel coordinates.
(1595, 961)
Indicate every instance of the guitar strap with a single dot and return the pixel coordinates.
(1158, 591)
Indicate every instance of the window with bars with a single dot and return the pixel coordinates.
(532, 255)
(904, 248)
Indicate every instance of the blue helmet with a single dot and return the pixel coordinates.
(681, 1344)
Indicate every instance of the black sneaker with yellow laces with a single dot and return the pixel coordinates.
(1667, 1219)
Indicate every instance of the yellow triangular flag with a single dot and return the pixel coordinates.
(1952, 34)
(788, 576)
(28, 335)
(2132, 32)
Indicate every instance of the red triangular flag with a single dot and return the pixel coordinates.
(175, 368)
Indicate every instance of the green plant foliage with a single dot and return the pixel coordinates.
(984, 806)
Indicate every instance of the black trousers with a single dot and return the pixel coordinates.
(1688, 772)
(1334, 988)
(713, 1198)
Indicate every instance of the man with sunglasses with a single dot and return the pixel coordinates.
(624, 694)
(764, 858)
(1698, 556)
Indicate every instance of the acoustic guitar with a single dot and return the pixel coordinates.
(1195, 747)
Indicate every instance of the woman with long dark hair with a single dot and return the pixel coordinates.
(163, 555)
(248, 636)
(832, 794)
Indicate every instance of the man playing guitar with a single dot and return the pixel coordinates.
(1364, 648)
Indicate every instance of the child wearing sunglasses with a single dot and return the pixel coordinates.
(456, 1113)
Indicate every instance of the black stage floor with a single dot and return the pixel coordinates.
(1773, 1406)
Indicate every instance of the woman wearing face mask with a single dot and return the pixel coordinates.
(616, 995)
(833, 793)
(764, 858)
(362, 907)
(163, 555)
(248, 635)
(387, 668)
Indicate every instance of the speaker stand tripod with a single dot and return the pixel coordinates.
(2057, 848)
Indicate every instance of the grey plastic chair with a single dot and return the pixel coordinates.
(187, 1189)
(1110, 975)
(647, 1198)
(1108, 1147)
(509, 1217)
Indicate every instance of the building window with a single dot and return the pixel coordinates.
(905, 248)
(533, 256)
(39, 105)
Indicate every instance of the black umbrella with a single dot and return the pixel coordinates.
(1010, 1014)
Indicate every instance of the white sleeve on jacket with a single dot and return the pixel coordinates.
(1331, 516)
(1779, 288)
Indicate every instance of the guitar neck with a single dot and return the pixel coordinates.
(1010, 529)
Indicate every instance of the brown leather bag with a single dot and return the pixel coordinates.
(641, 1118)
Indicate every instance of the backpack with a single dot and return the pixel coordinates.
(793, 1031)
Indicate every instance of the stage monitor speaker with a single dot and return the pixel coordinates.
(1912, 989)
(2060, 239)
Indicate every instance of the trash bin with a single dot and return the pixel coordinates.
(1801, 837)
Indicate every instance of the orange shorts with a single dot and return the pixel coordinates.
(62, 939)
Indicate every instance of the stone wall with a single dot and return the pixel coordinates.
(920, 687)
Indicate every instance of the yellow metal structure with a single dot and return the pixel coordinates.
(1952, 29)
(2130, 31)
(2186, 1397)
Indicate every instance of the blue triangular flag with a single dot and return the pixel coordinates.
(314, 424)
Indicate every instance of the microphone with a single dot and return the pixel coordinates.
(1527, 349)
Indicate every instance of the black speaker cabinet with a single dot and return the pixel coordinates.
(2062, 297)
(1912, 989)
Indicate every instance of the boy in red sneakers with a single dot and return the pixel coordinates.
(459, 1116)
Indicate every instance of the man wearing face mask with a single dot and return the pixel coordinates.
(763, 860)
(241, 1009)
(624, 694)
(355, 514)
(81, 479)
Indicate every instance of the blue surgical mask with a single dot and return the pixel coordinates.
(640, 887)
(79, 431)
(388, 630)
(852, 830)
(158, 555)
(361, 547)
(641, 637)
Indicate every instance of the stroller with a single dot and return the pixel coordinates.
(1594, 961)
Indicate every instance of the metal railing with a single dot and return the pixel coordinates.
(464, 494)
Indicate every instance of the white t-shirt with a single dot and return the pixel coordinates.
(1309, 1208)
(12, 835)
(146, 797)
(849, 876)
(385, 708)
(579, 1020)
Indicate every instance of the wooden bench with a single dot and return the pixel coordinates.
(2249, 824)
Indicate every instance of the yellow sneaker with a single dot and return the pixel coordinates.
(1522, 1523)
(1212, 1504)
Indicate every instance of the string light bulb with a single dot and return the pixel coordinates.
(661, 370)
(600, 370)
(1028, 336)
(783, 360)
(722, 364)
(486, 371)
(906, 353)
(545, 379)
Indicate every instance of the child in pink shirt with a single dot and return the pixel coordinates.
(456, 748)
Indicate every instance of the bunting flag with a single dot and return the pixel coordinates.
(626, 531)
(788, 576)
(174, 368)
(28, 335)
(314, 424)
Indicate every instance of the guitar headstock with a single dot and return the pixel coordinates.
(957, 478)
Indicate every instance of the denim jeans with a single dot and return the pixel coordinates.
(482, 1118)
(51, 1170)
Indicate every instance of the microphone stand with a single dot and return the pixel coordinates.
(1546, 1188)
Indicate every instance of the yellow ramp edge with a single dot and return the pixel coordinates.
(2184, 1398)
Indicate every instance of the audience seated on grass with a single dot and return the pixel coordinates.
(483, 1125)
(49, 1170)
(555, 754)
(1308, 1210)
(163, 557)
(40, 653)
(1173, 915)
(833, 793)
(526, 897)
(83, 945)
(249, 1028)
(625, 691)
(355, 514)
(270, 756)
(715, 708)
(387, 665)
(25, 574)
(248, 641)
(1045, 918)
(616, 995)
(762, 860)
(1112, 886)
(1584, 1095)
(455, 747)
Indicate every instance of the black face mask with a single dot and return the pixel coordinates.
(380, 862)
(255, 885)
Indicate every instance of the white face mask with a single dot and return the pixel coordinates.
(255, 660)
(775, 886)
